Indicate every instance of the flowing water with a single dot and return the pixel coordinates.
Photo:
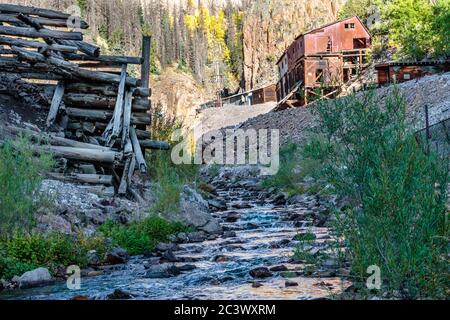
(263, 237)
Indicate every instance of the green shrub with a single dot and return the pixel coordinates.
(399, 219)
(140, 236)
(20, 253)
(20, 177)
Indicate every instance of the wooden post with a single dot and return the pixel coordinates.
(145, 67)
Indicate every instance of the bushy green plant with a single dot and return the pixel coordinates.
(20, 253)
(364, 149)
(140, 236)
(20, 177)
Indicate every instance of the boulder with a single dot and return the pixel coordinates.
(168, 256)
(290, 283)
(208, 188)
(261, 272)
(116, 255)
(35, 278)
(279, 268)
(194, 212)
(119, 294)
(217, 204)
(92, 258)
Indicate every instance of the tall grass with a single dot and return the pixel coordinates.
(20, 176)
(170, 177)
(399, 220)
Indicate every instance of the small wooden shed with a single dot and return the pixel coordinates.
(396, 71)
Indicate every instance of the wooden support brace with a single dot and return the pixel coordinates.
(56, 102)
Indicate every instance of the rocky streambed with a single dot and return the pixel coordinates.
(252, 258)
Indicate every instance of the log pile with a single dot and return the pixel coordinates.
(98, 113)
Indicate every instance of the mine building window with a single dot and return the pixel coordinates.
(349, 26)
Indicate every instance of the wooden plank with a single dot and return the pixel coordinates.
(127, 116)
(43, 33)
(137, 151)
(114, 127)
(56, 102)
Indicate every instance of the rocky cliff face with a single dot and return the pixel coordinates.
(271, 25)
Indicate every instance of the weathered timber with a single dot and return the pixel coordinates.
(46, 13)
(90, 100)
(106, 115)
(35, 44)
(83, 178)
(137, 151)
(156, 145)
(126, 175)
(114, 128)
(145, 67)
(43, 33)
(56, 102)
(127, 116)
(80, 87)
(91, 50)
(12, 19)
(112, 60)
(70, 69)
(142, 92)
(53, 140)
(83, 154)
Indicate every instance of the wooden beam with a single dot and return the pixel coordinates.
(137, 151)
(35, 44)
(43, 33)
(56, 102)
(12, 19)
(83, 178)
(87, 48)
(112, 60)
(114, 127)
(156, 145)
(46, 13)
(127, 117)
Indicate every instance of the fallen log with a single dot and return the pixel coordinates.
(126, 175)
(43, 33)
